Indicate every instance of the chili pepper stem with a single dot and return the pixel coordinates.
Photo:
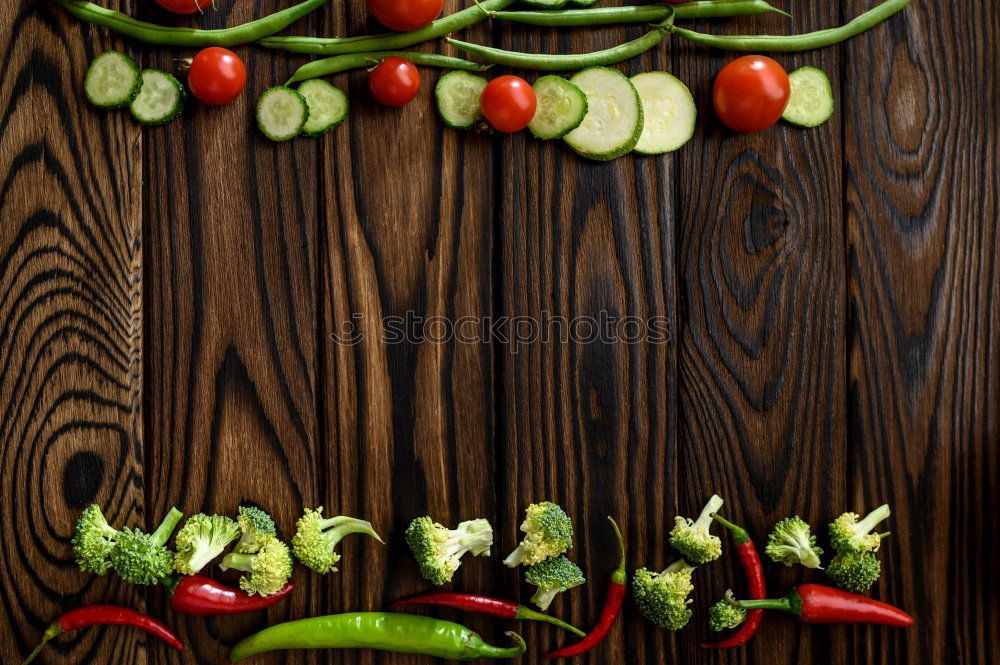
(531, 615)
(52, 632)
(620, 576)
(784, 604)
(489, 651)
(739, 534)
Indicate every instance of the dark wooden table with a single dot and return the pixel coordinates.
(169, 301)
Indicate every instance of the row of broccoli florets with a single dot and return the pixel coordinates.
(262, 557)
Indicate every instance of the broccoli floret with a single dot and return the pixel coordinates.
(93, 540)
(438, 550)
(663, 597)
(692, 538)
(726, 614)
(268, 571)
(792, 542)
(848, 534)
(551, 577)
(855, 571)
(256, 528)
(549, 533)
(142, 558)
(315, 538)
(201, 539)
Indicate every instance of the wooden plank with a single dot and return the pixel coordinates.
(589, 424)
(70, 331)
(231, 374)
(923, 222)
(762, 357)
(407, 424)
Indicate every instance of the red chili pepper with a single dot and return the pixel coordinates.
(105, 615)
(609, 613)
(494, 607)
(754, 571)
(816, 603)
(198, 595)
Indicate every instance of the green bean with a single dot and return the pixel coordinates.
(162, 36)
(803, 42)
(571, 18)
(348, 61)
(394, 40)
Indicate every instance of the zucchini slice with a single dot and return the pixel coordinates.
(113, 80)
(327, 107)
(561, 107)
(613, 122)
(160, 100)
(457, 94)
(668, 113)
(811, 102)
(281, 113)
(583, 3)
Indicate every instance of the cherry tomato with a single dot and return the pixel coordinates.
(508, 103)
(184, 6)
(405, 14)
(395, 81)
(750, 93)
(217, 76)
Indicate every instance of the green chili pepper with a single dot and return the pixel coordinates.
(571, 18)
(803, 42)
(385, 631)
(162, 36)
(343, 63)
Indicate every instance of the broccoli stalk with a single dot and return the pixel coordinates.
(792, 542)
(855, 571)
(142, 558)
(727, 613)
(549, 533)
(93, 540)
(201, 539)
(848, 534)
(256, 527)
(268, 571)
(315, 538)
(438, 550)
(552, 576)
(692, 538)
(663, 597)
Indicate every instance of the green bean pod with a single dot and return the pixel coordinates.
(390, 41)
(574, 18)
(348, 61)
(803, 42)
(384, 631)
(150, 33)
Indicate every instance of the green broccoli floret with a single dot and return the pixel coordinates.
(268, 571)
(552, 576)
(549, 533)
(792, 542)
(692, 538)
(854, 571)
(201, 539)
(93, 540)
(438, 550)
(726, 614)
(663, 597)
(142, 558)
(256, 527)
(315, 538)
(848, 534)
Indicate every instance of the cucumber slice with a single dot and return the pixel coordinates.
(112, 81)
(811, 101)
(561, 107)
(545, 4)
(160, 100)
(668, 113)
(457, 94)
(613, 122)
(281, 113)
(327, 107)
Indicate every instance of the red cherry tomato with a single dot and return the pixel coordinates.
(750, 93)
(508, 103)
(395, 81)
(217, 76)
(184, 6)
(405, 14)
